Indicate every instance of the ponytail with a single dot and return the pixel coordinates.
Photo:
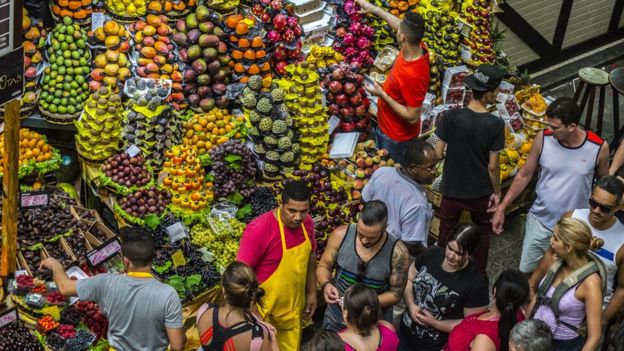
(362, 306)
(511, 293)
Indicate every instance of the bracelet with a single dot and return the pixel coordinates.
(324, 284)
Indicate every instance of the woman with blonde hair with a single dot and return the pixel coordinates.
(232, 326)
(570, 290)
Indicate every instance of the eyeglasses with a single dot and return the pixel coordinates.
(361, 270)
(603, 208)
(431, 168)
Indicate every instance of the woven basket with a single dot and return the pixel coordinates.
(25, 111)
(58, 118)
(434, 197)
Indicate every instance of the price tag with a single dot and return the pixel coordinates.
(97, 20)
(20, 272)
(104, 252)
(333, 123)
(7, 317)
(162, 176)
(178, 259)
(133, 150)
(52, 311)
(34, 199)
(176, 232)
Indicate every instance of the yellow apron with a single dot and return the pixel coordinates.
(135, 275)
(285, 292)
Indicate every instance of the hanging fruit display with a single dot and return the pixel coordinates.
(78, 10)
(247, 48)
(64, 88)
(99, 127)
(156, 54)
(204, 131)
(304, 102)
(183, 176)
(272, 127)
(354, 37)
(198, 37)
(111, 67)
(347, 98)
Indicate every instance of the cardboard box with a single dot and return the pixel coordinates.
(305, 6)
(315, 32)
(312, 15)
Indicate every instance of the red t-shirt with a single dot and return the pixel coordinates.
(407, 84)
(261, 246)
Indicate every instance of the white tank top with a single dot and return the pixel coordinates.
(565, 179)
(613, 240)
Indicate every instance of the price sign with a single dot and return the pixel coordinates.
(176, 232)
(178, 259)
(34, 199)
(7, 317)
(97, 20)
(133, 150)
(104, 252)
(333, 123)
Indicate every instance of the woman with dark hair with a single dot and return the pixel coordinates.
(489, 331)
(232, 326)
(326, 340)
(443, 287)
(365, 332)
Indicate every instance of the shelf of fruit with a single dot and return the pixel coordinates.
(36, 156)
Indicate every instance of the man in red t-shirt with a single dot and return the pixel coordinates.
(402, 95)
(280, 246)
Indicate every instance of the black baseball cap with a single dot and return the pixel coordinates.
(486, 77)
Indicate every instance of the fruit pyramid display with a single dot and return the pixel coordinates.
(151, 126)
(480, 42)
(322, 57)
(272, 128)
(442, 33)
(205, 130)
(354, 37)
(64, 88)
(111, 67)
(99, 127)
(157, 55)
(134, 207)
(220, 237)
(127, 9)
(384, 35)
(247, 48)
(78, 10)
(366, 159)
(183, 175)
(172, 8)
(283, 33)
(347, 98)
(207, 71)
(124, 174)
(35, 154)
(34, 40)
(234, 169)
(304, 102)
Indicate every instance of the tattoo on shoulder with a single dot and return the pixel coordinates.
(400, 268)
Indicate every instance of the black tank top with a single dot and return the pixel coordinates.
(220, 334)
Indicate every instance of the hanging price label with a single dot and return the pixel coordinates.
(105, 252)
(7, 317)
(178, 258)
(176, 232)
(97, 20)
(34, 199)
(133, 150)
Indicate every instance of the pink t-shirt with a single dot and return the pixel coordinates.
(261, 247)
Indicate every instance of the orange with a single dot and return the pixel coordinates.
(243, 43)
(242, 28)
(257, 42)
(250, 54)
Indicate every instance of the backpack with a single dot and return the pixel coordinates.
(594, 265)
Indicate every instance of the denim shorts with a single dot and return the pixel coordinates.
(535, 244)
(396, 149)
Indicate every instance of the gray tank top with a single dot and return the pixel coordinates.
(376, 275)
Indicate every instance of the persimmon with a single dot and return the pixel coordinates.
(244, 43)
(237, 55)
(74, 5)
(250, 54)
(239, 68)
(242, 28)
(232, 20)
(257, 42)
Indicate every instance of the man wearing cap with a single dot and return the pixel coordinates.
(402, 94)
(471, 178)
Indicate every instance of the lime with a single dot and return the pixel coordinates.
(72, 47)
(62, 109)
(62, 71)
(61, 37)
(71, 109)
(70, 30)
(53, 108)
(81, 43)
(75, 55)
(64, 46)
(70, 71)
(79, 79)
(67, 21)
(74, 85)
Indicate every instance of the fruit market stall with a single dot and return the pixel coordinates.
(189, 119)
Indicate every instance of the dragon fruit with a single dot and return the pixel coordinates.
(363, 43)
(350, 51)
(276, 4)
(274, 36)
(289, 35)
(367, 31)
(349, 39)
(355, 27)
(298, 31)
(292, 22)
(279, 21)
(280, 53)
(350, 7)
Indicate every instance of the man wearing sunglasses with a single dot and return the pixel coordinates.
(604, 202)
(402, 190)
(363, 253)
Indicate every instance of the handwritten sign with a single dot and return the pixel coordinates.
(34, 199)
(97, 20)
(7, 317)
(11, 74)
(133, 150)
(105, 252)
(176, 232)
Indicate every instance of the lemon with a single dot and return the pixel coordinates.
(119, 7)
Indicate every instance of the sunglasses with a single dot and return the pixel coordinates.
(603, 208)
(361, 270)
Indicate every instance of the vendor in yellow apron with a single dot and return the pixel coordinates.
(135, 275)
(285, 292)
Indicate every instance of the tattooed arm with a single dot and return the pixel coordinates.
(398, 276)
(327, 264)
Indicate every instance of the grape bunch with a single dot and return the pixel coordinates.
(221, 238)
(262, 201)
(16, 337)
(234, 169)
(160, 235)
